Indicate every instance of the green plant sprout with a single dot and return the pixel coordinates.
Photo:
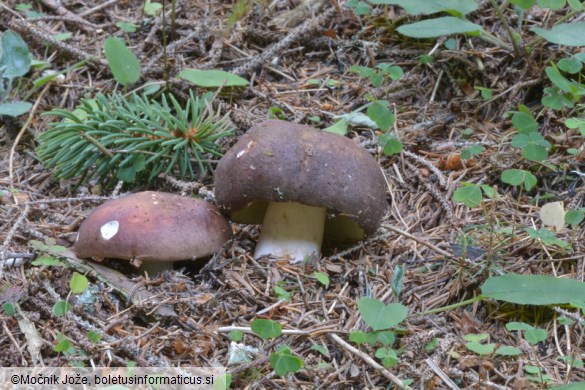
(380, 317)
(134, 139)
(282, 361)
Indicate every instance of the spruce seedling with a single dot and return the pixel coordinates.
(132, 139)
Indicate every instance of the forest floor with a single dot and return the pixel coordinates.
(430, 251)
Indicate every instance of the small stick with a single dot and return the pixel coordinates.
(335, 338)
(98, 8)
(452, 385)
(19, 136)
(428, 245)
(245, 329)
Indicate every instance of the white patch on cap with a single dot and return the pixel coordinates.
(77, 237)
(240, 153)
(109, 229)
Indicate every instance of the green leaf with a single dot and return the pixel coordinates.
(15, 108)
(480, 349)
(282, 294)
(388, 356)
(63, 36)
(512, 326)
(439, 27)
(359, 7)
(558, 79)
(534, 146)
(547, 237)
(570, 65)
(468, 195)
(524, 4)
(432, 345)
(285, 363)
(471, 151)
(276, 113)
(524, 122)
(78, 283)
(395, 72)
(576, 5)
(391, 144)
(516, 177)
(221, 382)
(486, 93)
(380, 316)
(556, 100)
(266, 329)
(574, 217)
(533, 289)
(122, 62)
(535, 336)
(552, 4)
(212, 78)
(152, 9)
(14, 55)
(321, 349)
(576, 123)
(450, 44)
(476, 338)
(568, 34)
(64, 345)
(236, 335)
(386, 337)
(47, 261)
(380, 114)
(126, 27)
(322, 278)
(94, 337)
(60, 308)
(488, 190)
(9, 308)
(428, 7)
(339, 127)
(506, 350)
(359, 337)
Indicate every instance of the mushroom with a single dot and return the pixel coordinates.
(303, 185)
(156, 228)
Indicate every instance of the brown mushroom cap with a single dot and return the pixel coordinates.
(151, 226)
(278, 161)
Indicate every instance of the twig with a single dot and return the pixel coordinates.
(294, 35)
(62, 11)
(428, 245)
(98, 8)
(41, 36)
(433, 191)
(335, 338)
(429, 165)
(67, 200)
(267, 309)
(506, 25)
(441, 374)
(10, 234)
(245, 329)
(19, 136)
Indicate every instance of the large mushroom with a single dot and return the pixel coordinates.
(303, 185)
(153, 228)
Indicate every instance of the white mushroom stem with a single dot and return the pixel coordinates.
(291, 230)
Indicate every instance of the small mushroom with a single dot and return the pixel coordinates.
(303, 185)
(156, 228)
